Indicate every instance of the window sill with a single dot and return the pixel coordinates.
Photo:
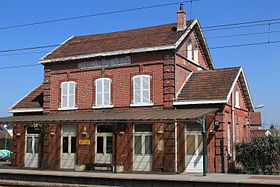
(236, 106)
(143, 104)
(105, 106)
(73, 108)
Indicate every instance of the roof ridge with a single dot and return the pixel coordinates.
(189, 21)
(220, 69)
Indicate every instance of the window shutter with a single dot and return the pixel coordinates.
(137, 90)
(71, 94)
(107, 89)
(64, 94)
(98, 90)
(146, 89)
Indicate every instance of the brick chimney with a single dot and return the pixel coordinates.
(181, 19)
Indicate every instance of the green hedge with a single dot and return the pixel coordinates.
(260, 155)
(2, 143)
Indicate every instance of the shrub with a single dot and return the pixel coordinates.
(261, 154)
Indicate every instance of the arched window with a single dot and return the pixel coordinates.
(68, 90)
(190, 50)
(195, 53)
(103, 92)
(142, 90)
(237, 100)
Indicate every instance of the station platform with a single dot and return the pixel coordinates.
(24, 177)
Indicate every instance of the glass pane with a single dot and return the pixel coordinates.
(71, 88)
(64, 101)
(137, 96)
(71, 100)
(32, 130)
(200, 145)
(148, 145)
(109, 144)
(29, 145)
(136, 83)
(73, 144)
(98, 101)
(143, 128)
(146, 96)
(106, 98)
(106, 85)
(146, 83)
(193, 126)
(99, 144)
(138, 145)
(98, 85)
(104, 128)
(64, 88)
(190, 145)
(65, 145)
(36, 145)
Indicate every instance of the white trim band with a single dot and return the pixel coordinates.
(195, 102)
(21, 110)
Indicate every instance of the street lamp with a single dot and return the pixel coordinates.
(259, 106)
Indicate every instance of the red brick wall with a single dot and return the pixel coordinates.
(18, 145)
(158, 64)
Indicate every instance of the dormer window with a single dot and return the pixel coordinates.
(237, 100)
(190, 50)
(141, 90)
(195, 53)
(68, 90)
(102, 93)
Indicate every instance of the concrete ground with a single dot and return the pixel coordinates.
(259, 180)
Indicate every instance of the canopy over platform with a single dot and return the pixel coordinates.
(156, 115)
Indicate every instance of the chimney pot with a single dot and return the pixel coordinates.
(181, 19)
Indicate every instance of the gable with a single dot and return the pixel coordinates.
(32, 102)
(214, 86)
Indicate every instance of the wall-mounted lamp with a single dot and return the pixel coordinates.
(121, 133)
(18, 134)
(159, 132)
(84, 133)
(52, 134)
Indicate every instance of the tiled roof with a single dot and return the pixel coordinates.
(32, 100)
(155, 36)
(209, 85)
(256, 118)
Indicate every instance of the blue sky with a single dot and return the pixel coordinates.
(261, 62)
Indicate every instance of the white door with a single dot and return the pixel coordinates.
(68, 147)
(142, 157)
(104, 144)
(31, 148)
(194, 158)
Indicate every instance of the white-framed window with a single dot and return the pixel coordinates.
(237, 99)
(190, 50)
(141, 90)
(195, 53)
(103, 93)
(68, 90)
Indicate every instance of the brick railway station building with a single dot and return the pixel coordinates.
(147, 100)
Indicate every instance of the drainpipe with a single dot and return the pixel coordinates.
(176, 148)
(115, 150)
(204, 142)
(233, 123)
(174, 56)
(42, 135)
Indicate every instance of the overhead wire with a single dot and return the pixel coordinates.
(94, 15)
(217, 47)
(55, 45)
